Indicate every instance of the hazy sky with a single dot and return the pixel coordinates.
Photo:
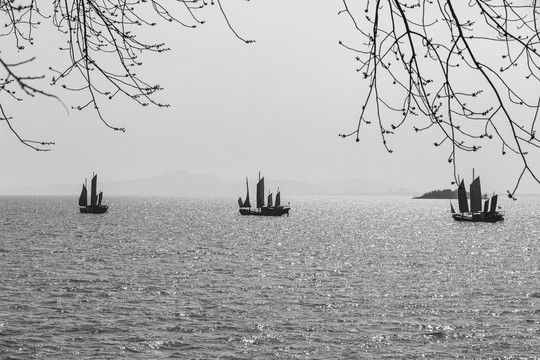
(276, 106)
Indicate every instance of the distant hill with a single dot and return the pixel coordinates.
(439, 194)
(444, 194)
(181, 183)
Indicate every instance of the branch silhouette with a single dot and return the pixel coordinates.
(467, 71)
(101, 45)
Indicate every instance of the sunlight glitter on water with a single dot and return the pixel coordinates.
(342, 277)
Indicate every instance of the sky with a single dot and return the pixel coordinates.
(275, 106)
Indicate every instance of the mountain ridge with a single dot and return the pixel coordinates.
(182, 183)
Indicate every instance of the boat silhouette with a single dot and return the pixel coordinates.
(271, 209)
(476, 213)
(95, 206)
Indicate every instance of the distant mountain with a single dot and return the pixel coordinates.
(444, 194)
(57, 189)
(340, 187)
(181, 183)
(439, 194)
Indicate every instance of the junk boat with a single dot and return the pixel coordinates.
(270, 209)
(476, 213)
(95, 206)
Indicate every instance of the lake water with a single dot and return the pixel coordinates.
(342, 277)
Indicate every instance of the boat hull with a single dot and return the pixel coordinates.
(266, 211)
(480, 217)
(93, 209)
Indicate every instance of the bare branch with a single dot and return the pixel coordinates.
(435, 69)
(101, 44)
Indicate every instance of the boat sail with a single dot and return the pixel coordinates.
(477, 213)
(93, 191)
(260, 192)
(476, 195)
(462, 198)
(270, 202)
(246, 203)
(95, 206)
(270, 209)
(83, 199)
(493, 206)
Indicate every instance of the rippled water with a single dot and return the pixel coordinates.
(351, 277)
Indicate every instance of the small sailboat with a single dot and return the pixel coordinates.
(477, 213)
(95, 206)
(271, 209)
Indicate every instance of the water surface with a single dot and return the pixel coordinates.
(342, 277)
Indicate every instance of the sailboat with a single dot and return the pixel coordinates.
(477, 213)
(271, 209)
(95, 206)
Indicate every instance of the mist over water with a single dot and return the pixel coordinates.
(342, 277)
